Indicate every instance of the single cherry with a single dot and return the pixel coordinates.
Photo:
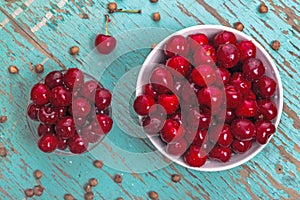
(40, 94)
(161, 80)
(195, 156)
(199, 137)
(33, 111)
(169, 102)
(205, 54)
(240, 82)
(177, 148)
(148, 90)
(73, 78)
(239, 146)
(48, 115)
(62, 144)
(211, 97)
(102, 98)
(176, 116)
(54, 79)
(228, 55)
(48, 143)
(223, 74)
(266, 109)
(243, 129)
(221, 135)
(180, 64)
(265, 87)
(44, 129)
(81, 107)
(222, 154)
(224, 37)
(264, 130)
(60, 97)
(152, 125)
(177, 45)
(77, 144)
(142, 104)
(172, 131)
(233, 96)
(89, 88)
(247, 108)
(189, 94)
(65, 127)
(247, 50)
(89, 135)
(198, 119)
(229, 116)
(62, 111)
(197, 40)
(203, 75)
(105, 43)
(104, 124)
(253, 69)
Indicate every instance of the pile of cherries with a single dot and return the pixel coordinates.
(72, 112)
(231, 108)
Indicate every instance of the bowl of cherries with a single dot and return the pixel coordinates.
(209, 97)
(69, 112)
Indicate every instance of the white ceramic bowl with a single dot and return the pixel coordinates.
(156, 56)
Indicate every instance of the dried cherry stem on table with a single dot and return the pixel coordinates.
(129, 11)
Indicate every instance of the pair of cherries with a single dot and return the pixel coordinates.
(209, 99)
(73, 112)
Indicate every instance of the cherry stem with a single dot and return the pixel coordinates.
(106, 24)
(128, 11)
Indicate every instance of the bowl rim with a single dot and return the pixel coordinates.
(200, 28)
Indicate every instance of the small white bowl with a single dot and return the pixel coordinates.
(156, 56)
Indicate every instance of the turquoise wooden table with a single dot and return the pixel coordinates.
(33, 32)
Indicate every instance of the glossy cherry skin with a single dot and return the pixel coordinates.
(189, 94)
(228, 55)
(48, 143)
(266, 109)
(249, 95)
(62, 144)
(60, 97)
(177, 148)
(240, 82)
(77, 145)
(148, 90)
(62, 111)
(40, 94)
(102, 98)
(197, 40)
(211, 97)
(89, 88)
(203, 75)
(176, 116)
(44, 129)
(104, 124)
(152, 125)
(239, 146)
(74, 78)
(222, 154)
(89, 135)
(54, 79)
(195, 156)
(253, 69)
(199, 137)
(65, 127)
(224, 37)
(198, 119)
(229, 116)
(81, 107)
(205, 54)
(105, 44)
(177, 45)
(161, 80)
(33, 111)
(223, 74)
(233, 96)
(169, 102)
(247, 108)
(243, 129)
(180, 64)
(265, 87)
(142, 104)
(171, 131)
(221, 135)
(247, 50)
(48, 115)
(264, 130)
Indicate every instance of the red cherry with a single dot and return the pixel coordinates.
(104, 124)
(62, 111)
(211, 97)
(73, 78)
(243, 129)
(102, 98)
(89, 135)
(198, 119)
(44, 129)
(60, 97)
(233, 96)
(105, 44)
(240, 146)
(176, 116)
(247, 108)
(264, 130)
(171, 131)
(249, 95)
(229, 116)
(253, 69)
(40, 94)
(89, 89)
(152, 125)
(189, 93)
(224, 37)
(62, 144)
(221, 134)
(203, 75)
(240, 82)
(33, 111)
(48, 115)
(161, 80)
(48, 143)
(177, 148)
(180, 64)
(54, 79)
(195, 156)
(266, 109)
(197, 40)
(222, 154)
(169, 102)
(265, 87)
(177, 45)
(79, 121)
(148, 90)
(247, 50)
(199, 137)
(224, 75)
(80, 107)
(142, 104)
(65, 127)
(77, 145)
(205, 54)
(228, 55)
